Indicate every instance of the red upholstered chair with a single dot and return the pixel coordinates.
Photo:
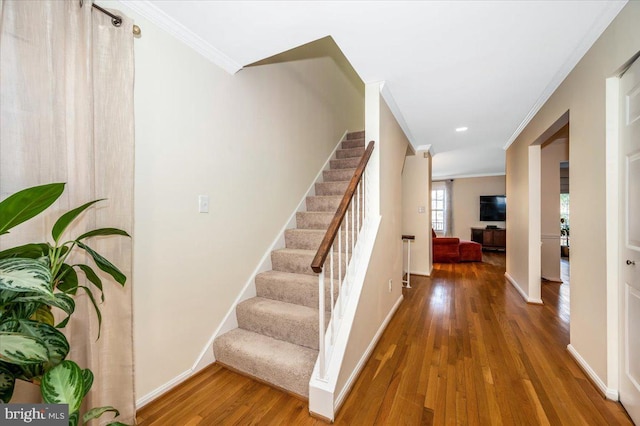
(470, 251)
(453, 250)
(445, 249)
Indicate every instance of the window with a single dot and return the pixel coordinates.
(437, 210)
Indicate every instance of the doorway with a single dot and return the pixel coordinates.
(544, 200)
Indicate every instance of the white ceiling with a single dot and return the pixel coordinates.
(487, 65)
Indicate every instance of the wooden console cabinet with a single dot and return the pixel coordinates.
(491, 239)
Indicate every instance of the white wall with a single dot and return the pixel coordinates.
(466, 202)
(416, 180)
(583, 94)
(252, 142)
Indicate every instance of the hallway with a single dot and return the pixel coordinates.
(463, 348)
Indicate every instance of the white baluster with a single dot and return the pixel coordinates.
(321, 359)
(340, 308)
(333, 330)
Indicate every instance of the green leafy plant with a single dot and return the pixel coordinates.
(34, 279)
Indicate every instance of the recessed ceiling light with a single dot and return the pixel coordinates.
(462, 129)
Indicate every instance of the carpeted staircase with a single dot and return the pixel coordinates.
(277, 337)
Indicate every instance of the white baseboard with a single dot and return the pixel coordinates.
(365, 356)
(162, 389)
(423, 273)
(521, 291)
(609, 393)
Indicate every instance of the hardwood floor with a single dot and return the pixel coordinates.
(463, 348)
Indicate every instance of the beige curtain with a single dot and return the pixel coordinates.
(448, 208)
(66, 115)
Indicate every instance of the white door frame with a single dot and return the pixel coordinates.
(612, 149)
(535, 209)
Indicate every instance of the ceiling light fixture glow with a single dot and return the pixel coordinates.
(462, 129)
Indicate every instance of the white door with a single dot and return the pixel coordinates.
(630, 242)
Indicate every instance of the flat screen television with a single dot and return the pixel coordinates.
(493, 208)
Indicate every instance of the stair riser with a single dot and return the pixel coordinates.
(355, 135)
(303, 332)
(285, 371)
(323, 203)
(313, 220)
(354, 143)
(349, 153)
(300, 263)
(344, 163)
(331, 188)
(311, 241)
(303, 293)
(338, 175)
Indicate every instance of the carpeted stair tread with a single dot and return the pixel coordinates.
(355, 135)
(338, 175)
(314, 220)
(323, 203)
(344, 163)
(281, 320)
(287, 287)
(350, 153)
(332, 188)
(353, 143)
(309, 239)
(298, 261)
(283, 364)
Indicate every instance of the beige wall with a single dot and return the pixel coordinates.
(253, 142)
(583, 94)
(416, 180)
(551, 156)
(376, 301)
(466, 202)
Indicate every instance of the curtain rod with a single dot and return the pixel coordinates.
(116, 20)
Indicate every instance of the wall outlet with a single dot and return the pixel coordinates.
(203, 203)
(390, 285)
(422, 209)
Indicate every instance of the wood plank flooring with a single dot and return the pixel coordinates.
(463, 348)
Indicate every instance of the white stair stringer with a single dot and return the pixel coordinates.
(324, 397)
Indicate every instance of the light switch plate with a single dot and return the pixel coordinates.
(203, 203)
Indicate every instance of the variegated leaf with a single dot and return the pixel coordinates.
(56, 343)
(16, 348)
(87, 378)
(59, 300)
(94, 413)
(25, 276)
(74, 418)
(7, 383)
(63, 384)
(43, 314)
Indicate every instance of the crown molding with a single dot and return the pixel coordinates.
(465, 176)
(596, 30)
(149, 11)
(385, 92)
